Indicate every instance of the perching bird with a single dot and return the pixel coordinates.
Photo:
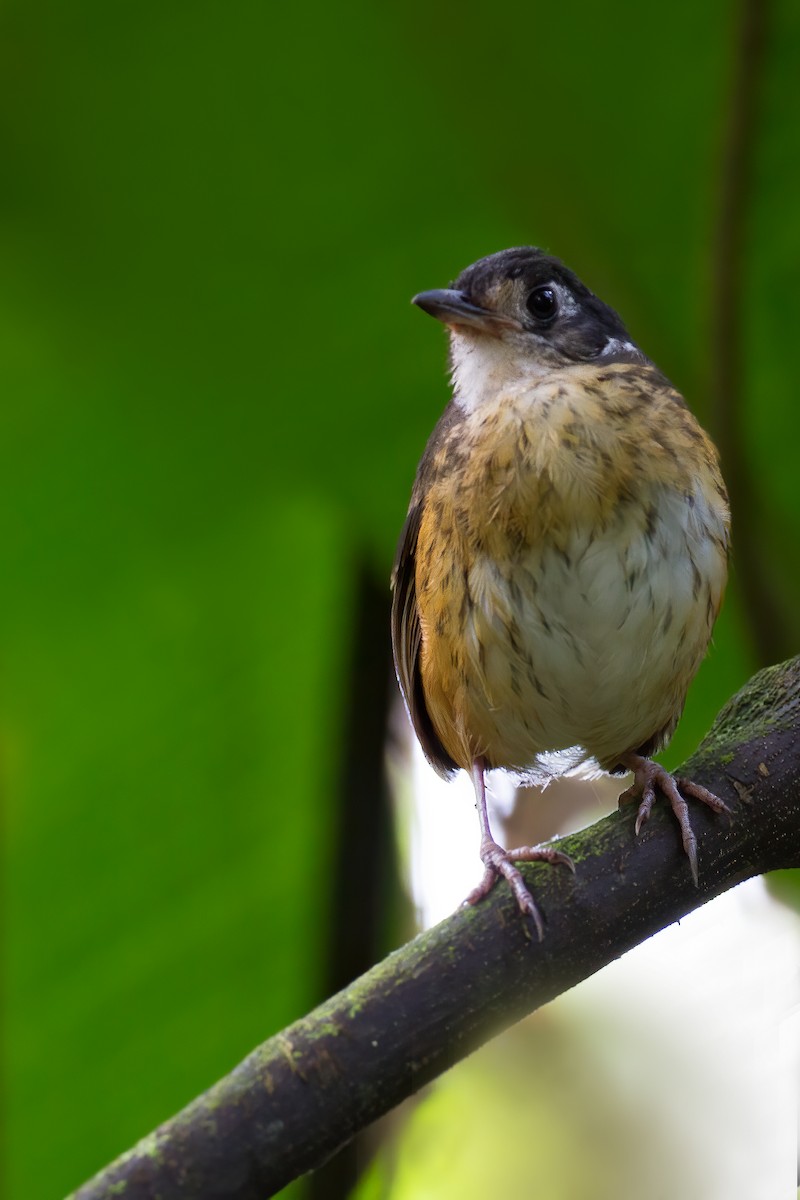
(565, 551)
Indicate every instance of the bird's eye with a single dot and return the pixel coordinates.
(542, 303)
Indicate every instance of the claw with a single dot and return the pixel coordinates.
(698, 792)
(648, 776)
(548, 854)
(498, 861)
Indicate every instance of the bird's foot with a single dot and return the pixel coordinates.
(498, 861)
(649, 775)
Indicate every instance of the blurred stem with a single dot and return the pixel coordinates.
(767, 622)
(308, 1090)
(364, 850)
(364, 868)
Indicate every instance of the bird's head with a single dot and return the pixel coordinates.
(524, 308)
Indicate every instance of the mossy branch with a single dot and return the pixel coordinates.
(309, 1089)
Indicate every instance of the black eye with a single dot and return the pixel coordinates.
(542, 303)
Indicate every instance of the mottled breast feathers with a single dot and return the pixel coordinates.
(507, 496)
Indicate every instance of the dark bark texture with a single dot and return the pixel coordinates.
(309, 1089)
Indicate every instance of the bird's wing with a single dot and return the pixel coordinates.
(407, 640)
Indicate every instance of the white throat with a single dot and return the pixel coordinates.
(483, 367)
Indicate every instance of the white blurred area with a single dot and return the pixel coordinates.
(691, 1039)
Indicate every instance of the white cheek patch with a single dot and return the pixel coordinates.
(615, 346)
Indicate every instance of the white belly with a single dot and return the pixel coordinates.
(594, 646)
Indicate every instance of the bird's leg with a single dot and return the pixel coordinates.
(498, 861)
(649, 775)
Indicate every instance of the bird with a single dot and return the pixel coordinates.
(564, 556)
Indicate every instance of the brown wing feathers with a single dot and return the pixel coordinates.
(407, 639)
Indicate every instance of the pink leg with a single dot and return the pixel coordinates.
(498, 861)
(649, 775)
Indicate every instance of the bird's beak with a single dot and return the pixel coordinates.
(454, 309)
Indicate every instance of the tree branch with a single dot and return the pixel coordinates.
(306, 1091)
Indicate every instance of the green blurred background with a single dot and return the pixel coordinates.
(215, 393)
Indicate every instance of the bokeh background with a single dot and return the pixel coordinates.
(215, 393)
